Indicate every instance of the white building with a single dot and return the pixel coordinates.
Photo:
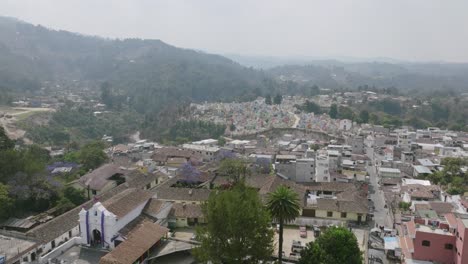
(100, 224)
(389, 173)
(405, 139)
(322, 173)
(206, 142)
(346, 124)
(206, 152)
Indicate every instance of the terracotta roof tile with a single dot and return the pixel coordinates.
(441, 208)
(67, 221)
(99, 177)
(138, 242)
(187, 210)
(124, 202)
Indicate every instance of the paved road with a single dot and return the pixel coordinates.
(381, 214)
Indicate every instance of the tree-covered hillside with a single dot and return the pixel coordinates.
(149, 71)
(415, 78)
(153, 78)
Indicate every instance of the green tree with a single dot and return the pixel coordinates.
(311, 107)
(284, 207)
(64, 205)
(5, 141)
(106, 94)
(333, 113)
(74, 195)
(364, 116)
(221, 141)
(404, 206)
(235, 169)
(345, 113)
(374, 119)
(238, 228)
(6, 202)
(268, 100)
(278, 99)
(335, 245)
(92, 155)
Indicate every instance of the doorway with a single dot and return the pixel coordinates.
(96, 237)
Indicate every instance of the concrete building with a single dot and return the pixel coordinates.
(305, 170)
(421, 171)
(285, 165)
(407, 157)
(357, 144)
(207, 152)
(435, 241)
(346, 124)
(404, 140)
(388, 153)
(334, 158)
(322, 173)
(389, 172)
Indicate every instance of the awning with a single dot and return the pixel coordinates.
(390, 243)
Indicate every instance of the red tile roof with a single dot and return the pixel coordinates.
(139, 241)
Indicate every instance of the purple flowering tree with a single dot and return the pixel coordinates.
(263, 165)
(190, 173)
(225, 154)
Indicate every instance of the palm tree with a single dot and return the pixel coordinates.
(283, 205)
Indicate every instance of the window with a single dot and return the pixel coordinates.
(329, 214)
(449, 246)
(94, 192)
(343, 215)
(426, 243)
(95, 213)
(69, 234)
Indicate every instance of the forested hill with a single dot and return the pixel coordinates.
(409, 77)
(148, 71)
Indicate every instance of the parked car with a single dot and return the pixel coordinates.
(294, 255)
(316, 231)
(296, 246)
(303, 231)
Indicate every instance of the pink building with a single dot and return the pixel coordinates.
(439, 241)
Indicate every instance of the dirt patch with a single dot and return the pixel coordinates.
(10, 116)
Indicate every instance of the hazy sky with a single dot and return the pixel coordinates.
(414, 30)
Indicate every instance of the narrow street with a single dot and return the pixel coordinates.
(381, 214)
